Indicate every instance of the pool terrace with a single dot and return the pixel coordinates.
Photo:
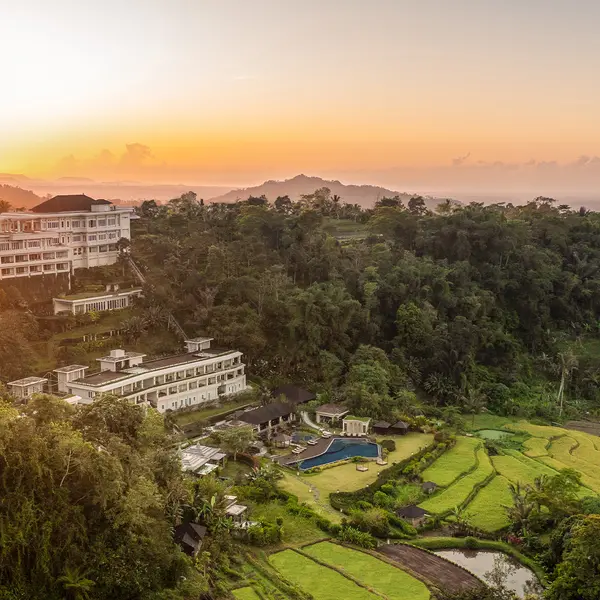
(322, 446)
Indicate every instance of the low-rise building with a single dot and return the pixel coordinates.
(355, 426)
(293, 394)
(201, 460)
(112, 299)
(234, 510)
(23, 389)
(330, 413)
(267, 419)
(199, 376)
(190, 537)
(415, 515)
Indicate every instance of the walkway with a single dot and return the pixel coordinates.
(433, 569)
(308, 421)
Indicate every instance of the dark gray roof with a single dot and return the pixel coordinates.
(68, 203)
(400, 425)
(293, 394)
(429, 485)
(411, 512)
(266, 413)
(190, 536)
(382, 425)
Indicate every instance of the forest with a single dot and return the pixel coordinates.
(479, 306)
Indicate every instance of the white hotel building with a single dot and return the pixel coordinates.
(201, 375)
(60, 235)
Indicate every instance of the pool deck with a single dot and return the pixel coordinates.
(319, 448)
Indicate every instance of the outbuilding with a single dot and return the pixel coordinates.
(330, 413)
(415, 515)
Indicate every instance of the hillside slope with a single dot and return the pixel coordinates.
(364, 195)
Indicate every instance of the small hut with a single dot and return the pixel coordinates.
(382, 427)
(399, 428)
(413, 514)
(429, 487)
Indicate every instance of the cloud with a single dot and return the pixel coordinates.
(136, 155)
(459, 160)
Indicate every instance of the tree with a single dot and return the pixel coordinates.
(76, 584)
(576, 577)
(236, 439)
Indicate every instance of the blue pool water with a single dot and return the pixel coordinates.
(341, 449)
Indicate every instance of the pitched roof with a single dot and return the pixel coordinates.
(293, 394)
(429, 485)
(382, 425)
(68, 203)
(411, 512)
(190, 536)
(266, 413)
(332, 409)
(400, 425)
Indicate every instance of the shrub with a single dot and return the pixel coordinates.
(402, 525)
(389, 445)
(389, 489)
(383, 500)
(471, 542)
(359, 538)
(364, 505)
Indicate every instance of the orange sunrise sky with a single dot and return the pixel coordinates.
(426, 92)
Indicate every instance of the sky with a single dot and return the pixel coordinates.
(428, 93)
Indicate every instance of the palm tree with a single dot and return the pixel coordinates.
(473, 401)
(155, 316)
(566, 364)
(5, 206)
(522, 506)
(134, 327)
(76, 584)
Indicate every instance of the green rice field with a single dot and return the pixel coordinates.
(384, 578)
(245, 593)
(520, 470)
(487, 511)
(535, 447)
(459, 491)
(319, 581)
(453, 463)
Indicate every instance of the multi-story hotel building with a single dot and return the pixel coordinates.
(60, 235)
(201, 375)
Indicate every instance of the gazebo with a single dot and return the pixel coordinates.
(330, 413)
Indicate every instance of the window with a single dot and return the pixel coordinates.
(34, 244)
(93, 249)
(112, 235)
(102, 236)
(92, 223)
(76, 223)
(62, 267)
(21, 270)
(48, 267)
(7, 260)
(52, 224)
(6, 272)
(101, 222)
(103, 248)
(112, 222)
(193, 385)
(183, 387)
(36, 269)
(92, 237)
(35, 257)
(112, 247)
(76, 238)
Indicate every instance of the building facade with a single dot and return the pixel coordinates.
(60, 235)
(200, 376)
(79, 304)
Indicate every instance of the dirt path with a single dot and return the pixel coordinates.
(441, 573)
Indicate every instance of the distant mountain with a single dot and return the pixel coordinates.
(364, 195)
(19, 198)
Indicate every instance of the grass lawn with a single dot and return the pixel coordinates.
(296, 530)
(377, 574)
(300, 488)
(345, 477)
(487, 511)
(453, 463)
(245, 593)
(458, 492)
(204, 413)
(322, 583)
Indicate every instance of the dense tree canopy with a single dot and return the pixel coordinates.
(494, 299)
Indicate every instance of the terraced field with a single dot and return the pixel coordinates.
(453, 463)
(520, 469)
(246, 593)
(563, 449)
(353, 575)
(376, 574)
(459, 491)
(535, 447)
(487, 511)
(319, 581)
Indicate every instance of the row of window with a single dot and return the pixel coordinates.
(34, 269)
(76, 223)
(94, 249)
(23, 245)
(21, 258)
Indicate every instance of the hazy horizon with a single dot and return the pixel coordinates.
(470, 96)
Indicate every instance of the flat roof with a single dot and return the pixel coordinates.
(200, 339)
(104, 377)
(27, 381)
(70, 368)
(236, 509)
(109, 358)
(354, 418)
(97, 295)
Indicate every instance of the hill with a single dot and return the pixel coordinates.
(18, 197)
(364, 195)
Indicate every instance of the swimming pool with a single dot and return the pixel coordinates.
(340, 449)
